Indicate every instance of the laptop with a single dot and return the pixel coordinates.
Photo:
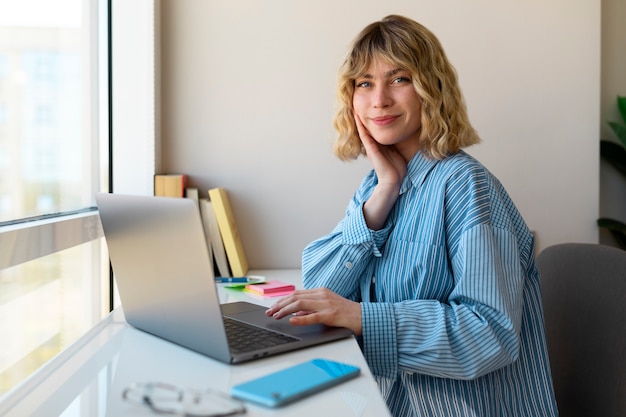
(166, 284)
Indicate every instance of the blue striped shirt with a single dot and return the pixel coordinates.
(449, 291)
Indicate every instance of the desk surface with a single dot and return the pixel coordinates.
(88, 378)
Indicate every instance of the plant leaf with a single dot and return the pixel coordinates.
(620, 238)
(614, 154)
(617, 229)
(611, 224)
(620, 132)
(621, 105)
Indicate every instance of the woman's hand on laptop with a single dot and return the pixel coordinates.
(319, 305)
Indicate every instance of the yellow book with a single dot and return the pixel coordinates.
(229, 232)
(170, 185)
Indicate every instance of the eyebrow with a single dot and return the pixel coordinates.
(387, 74)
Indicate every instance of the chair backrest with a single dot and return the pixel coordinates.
(584, 299)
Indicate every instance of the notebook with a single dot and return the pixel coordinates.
(165, 280)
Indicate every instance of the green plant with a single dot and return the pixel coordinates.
(615, 154)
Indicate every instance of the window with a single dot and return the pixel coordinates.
(54, 156)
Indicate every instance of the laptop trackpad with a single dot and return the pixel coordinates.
(229, 309)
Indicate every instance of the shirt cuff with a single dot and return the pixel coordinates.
(379, 338)
(356, 232)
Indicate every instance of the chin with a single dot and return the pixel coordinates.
(387, 141)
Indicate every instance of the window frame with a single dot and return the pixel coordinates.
(28, 239)
(53, 234)
(132, 90)
(131, 143)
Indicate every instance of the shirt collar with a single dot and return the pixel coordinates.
(417, 169)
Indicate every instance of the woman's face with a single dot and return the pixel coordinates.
(389, 107)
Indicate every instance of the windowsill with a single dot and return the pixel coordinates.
(22, 242)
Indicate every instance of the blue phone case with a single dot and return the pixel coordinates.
(287, 385)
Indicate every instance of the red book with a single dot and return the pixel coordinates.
(271, 288)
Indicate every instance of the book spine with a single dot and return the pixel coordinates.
(219, 252)
(206, 225)
(229, 231)
(170, 185)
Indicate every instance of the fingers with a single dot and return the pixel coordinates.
(385, 158)
(301, 302)
(318, 305)
(305, 320)
(366, 139)
(359, 126)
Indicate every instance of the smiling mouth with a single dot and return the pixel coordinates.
(384, 120)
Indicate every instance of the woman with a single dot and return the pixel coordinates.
(432, 266)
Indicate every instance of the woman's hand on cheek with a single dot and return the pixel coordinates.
(389, 165)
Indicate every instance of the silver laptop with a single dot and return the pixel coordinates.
(165, 280)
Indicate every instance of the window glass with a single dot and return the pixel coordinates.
(54, 157)
(48, 98)
(45, 305)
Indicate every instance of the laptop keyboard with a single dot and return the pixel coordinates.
(244, 337)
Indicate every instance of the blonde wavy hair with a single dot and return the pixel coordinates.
(410, 46)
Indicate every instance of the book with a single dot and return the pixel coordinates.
(207, 218)
(191, 192)
(271, 288)
(229, 232)
(170, 185)
(213, 235)
(206, 228)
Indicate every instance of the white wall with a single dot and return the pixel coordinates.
(248, 94)
(135, 95)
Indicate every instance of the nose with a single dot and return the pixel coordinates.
(381, 97)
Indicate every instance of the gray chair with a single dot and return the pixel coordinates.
(584, 299)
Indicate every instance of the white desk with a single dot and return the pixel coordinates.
(87, 379)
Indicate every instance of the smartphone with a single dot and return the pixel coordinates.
(298, 381)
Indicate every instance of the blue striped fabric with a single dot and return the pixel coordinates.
(449, 291)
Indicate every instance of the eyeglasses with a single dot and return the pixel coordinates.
(169, 399)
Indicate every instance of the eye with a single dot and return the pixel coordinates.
(400, 80)
(363, 84)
